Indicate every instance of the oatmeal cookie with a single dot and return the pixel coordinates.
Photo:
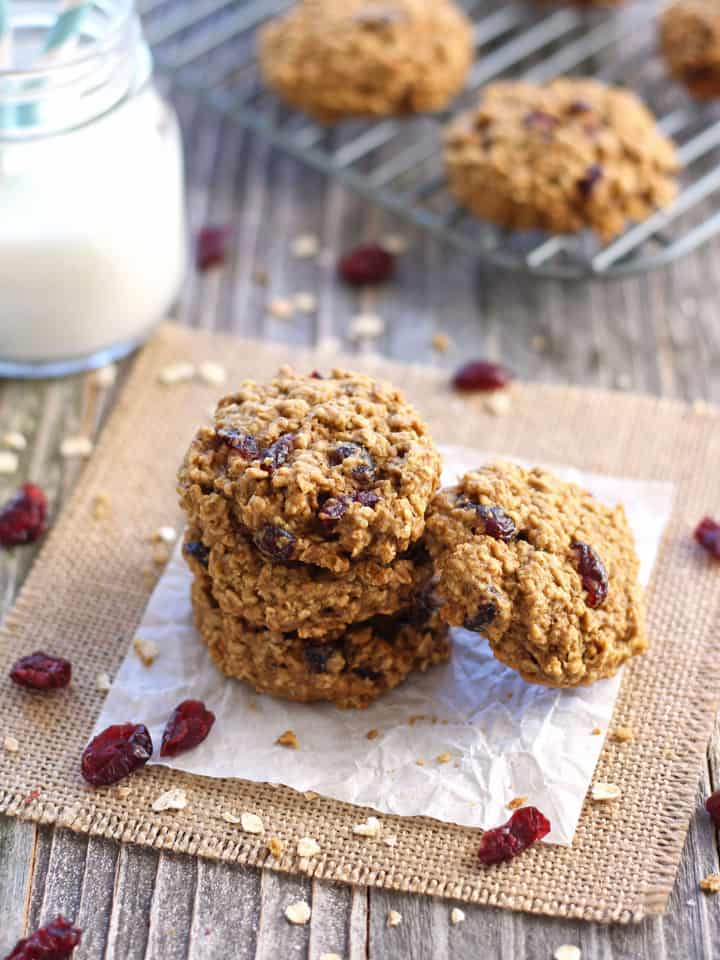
(351, 671)
(301, 597)
(367, 57)
(571, 154)
(320, 471)
(690, 42)
(545, 571)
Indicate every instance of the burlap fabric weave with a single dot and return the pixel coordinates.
(88, 589)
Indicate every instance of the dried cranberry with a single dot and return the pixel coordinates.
(115, 753)
(539, 120)
(41, 671)
(483, 617)
(278, 452)
(55, 941)
(366, 266)
(421, 611)
(188, 726)
(712, 805)
(592, 572)
(523, 828)
(275, 542)
(316, 375)
(364, 472)
(366, 498)
(211, 247)
(198, 550)
(22, 519)
(579, 106)
(481, 375)
(333, 509)
(245, 444)
(317, 656)
(707, 534)
(586, 184)
(496, 523)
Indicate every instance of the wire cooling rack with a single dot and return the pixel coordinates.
(209, 47)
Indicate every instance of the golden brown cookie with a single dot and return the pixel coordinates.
(690, 42)
(351, 671)
(317, 471)
(300, 597)
(572, 154)
(367, 57)
(544, 570)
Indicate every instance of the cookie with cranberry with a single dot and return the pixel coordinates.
(350, 670)
(541, 568)
(367, 57)
(301, 597)
(312, 470)
(561, 157)
(690, 42)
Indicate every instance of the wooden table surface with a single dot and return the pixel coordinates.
(657, 334)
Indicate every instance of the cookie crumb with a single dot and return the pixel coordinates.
(371, 828)
(305, 302)
(101, 506)
(9, 462)
(596, 731)
(394, 918)
(14, 440)
(311, 795)
(372, 734)
(10, 744)
(305, 245)
(621, 735)
(251, 823)
(212, 374)
(498, 403)
(441, 342)
(123, 792)
(711, 883)
(516, 803)
(539, 343)
(444, 757)
(420, 762)
(395, 243)
(366, 326)
(103, 682)
(147, 651)
(298, 913)
(567, 951)
(105, 377)
(174, 799)
(275, 847)
(280, 308)
(288, 739)
(456, 915)
(229, 817)
(176, 373)
(605, 791)
(260, 276)
(307, 847)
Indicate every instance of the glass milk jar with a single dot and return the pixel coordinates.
(92, 224)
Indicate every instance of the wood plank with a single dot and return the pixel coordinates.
(172, 908)
(276, 936)
(226, 912)
(131, 906)
(17, 856)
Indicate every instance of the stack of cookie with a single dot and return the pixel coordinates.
(306, 505)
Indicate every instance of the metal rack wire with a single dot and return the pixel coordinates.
(209, 47)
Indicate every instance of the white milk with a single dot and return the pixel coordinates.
(92, 233)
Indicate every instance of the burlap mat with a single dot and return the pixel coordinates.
(88, 589)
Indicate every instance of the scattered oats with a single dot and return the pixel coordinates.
(165, 535)
(390, 841)
(298, 912)
(444, 757)
(366, 326)
(176, 373)
(441, 342)
(596, 731)
(711, 883)
(307, 847)
(567, 951)
(394, 918)
(9, 462)
(103, 682)
(330, 956)
(288, 739)
(175, 799)
(457, 915)
(305, 245)
(105, 377)
(420, 762)
(371, 828)
(123, 792)
(161, 554)
(305, 302)
(101, 506)
(395, 243)
(605, 791)
(229, 817)
(669, 753)
(622, 734)
(147, 651)
(251, 823)
(10, 744)
(372, 734)
(499, 403)
(260, 276)
(276, 847)
(14, 440)
(516, 803)
(280, 308)
(213, 374)
(77, 446)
